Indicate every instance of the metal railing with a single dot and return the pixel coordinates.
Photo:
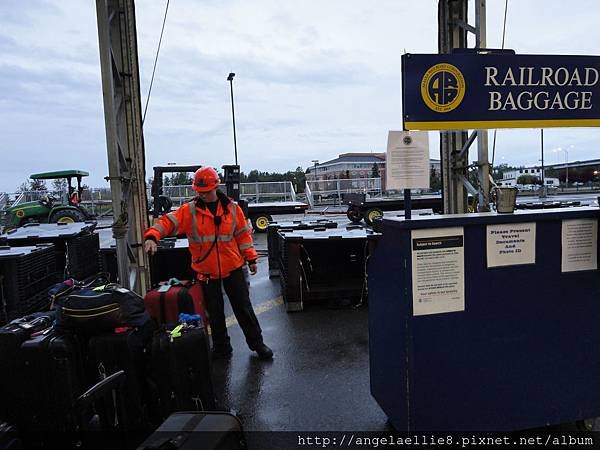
(259, 192)
(322, 192)
(96, 200)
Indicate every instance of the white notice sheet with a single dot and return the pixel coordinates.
(438, 270)
(510, 244)
(407, 160)
(579, 245)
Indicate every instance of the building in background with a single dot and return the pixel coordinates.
(348, 165)
(357, 165)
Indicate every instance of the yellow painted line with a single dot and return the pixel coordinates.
(258, 309)
(465, 125)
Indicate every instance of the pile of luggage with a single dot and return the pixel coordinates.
(105, 359)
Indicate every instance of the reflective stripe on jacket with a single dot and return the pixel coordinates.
(210, 259)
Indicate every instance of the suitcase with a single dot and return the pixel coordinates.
(13, 334)
(47, 380)
(124, 350)
(12, 337)
(173, 297)
(9, 438)
(181, 370)
(200, 430)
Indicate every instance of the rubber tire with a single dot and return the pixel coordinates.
(354, 214)
(371, 214)
(67, 216)
(260, 222)
(586, 424)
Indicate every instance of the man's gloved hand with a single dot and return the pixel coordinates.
(150, 246)
(253, 268)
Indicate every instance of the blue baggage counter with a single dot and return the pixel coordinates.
(523, 348)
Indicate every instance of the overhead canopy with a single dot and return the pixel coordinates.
(59, 174)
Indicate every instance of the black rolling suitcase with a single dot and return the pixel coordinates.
(181, 370)
(47, 380)
(197, 430)
(124, 350)
(12, 337)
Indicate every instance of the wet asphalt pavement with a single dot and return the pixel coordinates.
(318, 379)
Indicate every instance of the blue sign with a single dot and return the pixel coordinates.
(486, 90)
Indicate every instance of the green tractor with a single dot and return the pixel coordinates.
(46, 210)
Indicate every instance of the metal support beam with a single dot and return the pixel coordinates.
(451, 35)
(482, 135)
(454, 145)
(124, 138)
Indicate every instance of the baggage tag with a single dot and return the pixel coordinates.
(164, 288)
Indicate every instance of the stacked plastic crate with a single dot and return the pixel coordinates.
(325, 265)
(76, 246)
(172, 260)
(273, 237)
(26, 273)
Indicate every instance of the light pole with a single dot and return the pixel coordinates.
(230, 79)
(315, 161)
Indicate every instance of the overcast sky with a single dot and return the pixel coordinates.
(314, 78)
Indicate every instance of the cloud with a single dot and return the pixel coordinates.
(313, 79)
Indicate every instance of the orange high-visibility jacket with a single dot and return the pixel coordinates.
(210, 259)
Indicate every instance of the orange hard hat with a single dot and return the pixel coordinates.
(206, 179)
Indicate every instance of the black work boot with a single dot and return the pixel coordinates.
(263, 351)
(221, 351)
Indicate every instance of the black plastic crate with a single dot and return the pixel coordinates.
(325, 265)
(172, 260)
(26, 273)
(76, 245)
(273, 240)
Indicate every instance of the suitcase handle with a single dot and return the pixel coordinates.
(99, 390)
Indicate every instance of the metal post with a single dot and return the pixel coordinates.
(452, 17)
(230, 79)
(482, 135)
(407, 204)
(124, 138)
(543, 170)
(567, 165)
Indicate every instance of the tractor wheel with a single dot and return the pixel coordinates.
(66, 216)
(261, 222)
(354, 214)
(371, 214)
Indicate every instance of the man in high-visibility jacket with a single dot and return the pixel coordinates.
(220, 241)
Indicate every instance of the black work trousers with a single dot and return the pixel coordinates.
(237, 292)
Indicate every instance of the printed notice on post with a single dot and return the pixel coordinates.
(579, 245)
(407, 160)
(438, 271)
(511, 244)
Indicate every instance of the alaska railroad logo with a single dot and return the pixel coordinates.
(443, 87)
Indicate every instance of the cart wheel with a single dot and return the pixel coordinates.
(354, 214)
(371, 214)
(586, 424)
(260, 223)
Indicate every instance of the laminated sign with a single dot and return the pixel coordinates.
(407, 160)
(438, 270)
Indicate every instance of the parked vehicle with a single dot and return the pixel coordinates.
(48, 209)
